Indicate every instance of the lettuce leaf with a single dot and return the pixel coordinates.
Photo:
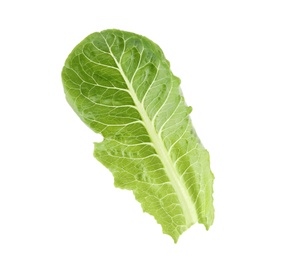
(120, 85)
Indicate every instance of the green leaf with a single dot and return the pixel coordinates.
(120, 85)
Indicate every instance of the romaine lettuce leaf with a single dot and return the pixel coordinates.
(120, 85)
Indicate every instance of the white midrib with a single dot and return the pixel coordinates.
(186, 202)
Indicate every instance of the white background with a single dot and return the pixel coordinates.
(238, 65)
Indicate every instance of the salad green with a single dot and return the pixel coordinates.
(121, 86)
